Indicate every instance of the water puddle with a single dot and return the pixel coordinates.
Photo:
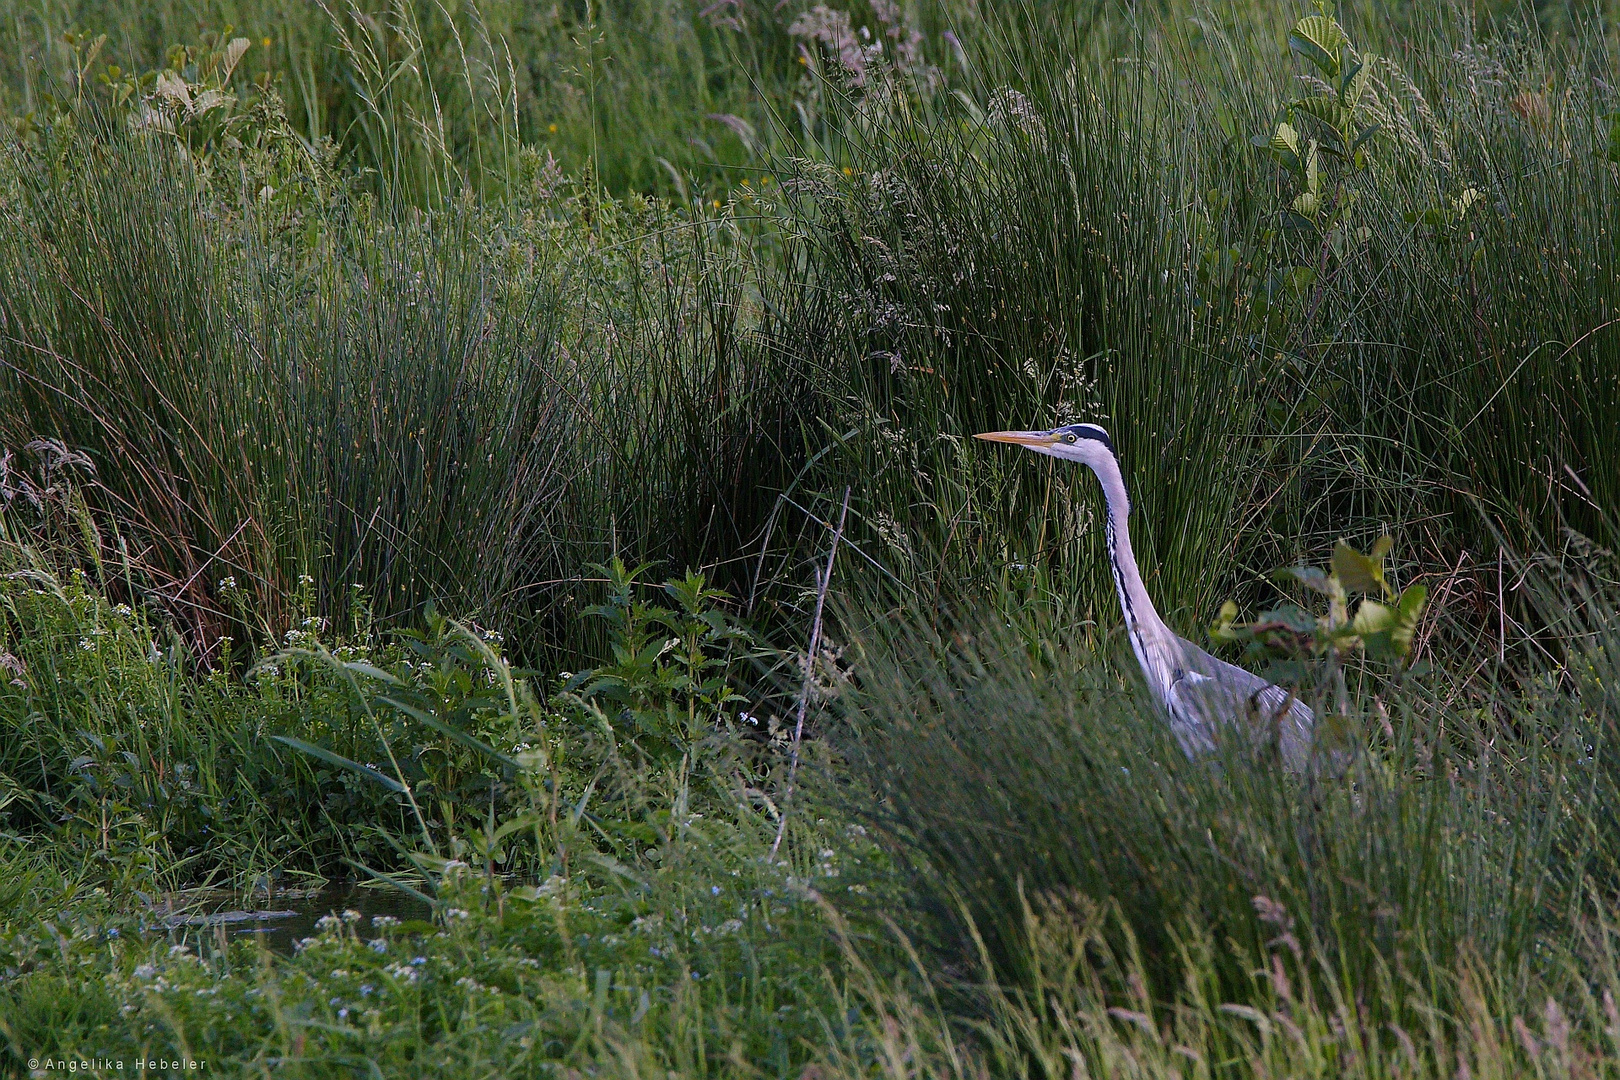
(284, 917)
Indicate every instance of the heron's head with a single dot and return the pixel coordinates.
(1085, 443)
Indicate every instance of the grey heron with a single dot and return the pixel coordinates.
(1201, 696)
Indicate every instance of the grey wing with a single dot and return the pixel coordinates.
(1210, 694)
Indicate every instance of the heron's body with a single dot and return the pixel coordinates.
(1203, 698)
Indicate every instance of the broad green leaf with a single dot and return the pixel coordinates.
(512, 825)
(340, 761)
(1355, 571)
(1412, 601)
(1324, 108)
(1319, 39)
(1306, 205)
(1381, 548)
(1285, 138)
(1374, 618)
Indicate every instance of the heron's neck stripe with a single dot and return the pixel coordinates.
(1132, 626)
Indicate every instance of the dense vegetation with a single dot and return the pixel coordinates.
(432, 434)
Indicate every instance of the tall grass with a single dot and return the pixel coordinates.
(469, 406)
(1074, 237)
(468, 375)
(428, 98)
(1073, 863)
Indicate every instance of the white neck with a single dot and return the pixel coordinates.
(1141, 617)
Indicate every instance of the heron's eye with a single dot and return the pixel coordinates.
(1068, 437)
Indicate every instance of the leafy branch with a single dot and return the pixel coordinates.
(1381, 628)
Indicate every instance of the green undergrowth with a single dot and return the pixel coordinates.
(998, 863)
(312, 760)
(372, 374)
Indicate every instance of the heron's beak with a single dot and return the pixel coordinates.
(1019, 438)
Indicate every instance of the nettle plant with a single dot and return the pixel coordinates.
(1305, 643)
(673, 674)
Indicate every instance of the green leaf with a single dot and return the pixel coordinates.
(340, 761)
(1324, 108)
(1352, 83)
(1222, 629)
(390, 880)
(1306, 205)
(1319, 39)
(1355, 571)
(360, 667)
(1366, 133)
(1410, 609)
(1285, 140)
(451, 733)
(1312, 577)
(514, 824)
(1374, 618)
(526, 893)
